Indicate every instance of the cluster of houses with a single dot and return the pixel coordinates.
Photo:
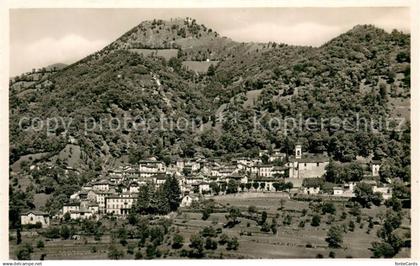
(116, 191)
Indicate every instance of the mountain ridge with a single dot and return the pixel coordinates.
(342, 77)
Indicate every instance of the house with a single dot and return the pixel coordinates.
(35, 217)
(279, 171)
(376, 166)
(75, 206)
(276, 155)
(152, 165)
(338, 191)
(133, 187)
(311, 190)
(195, 179)
(99, 198)
(102, 185)
(87, 187)
(265, 183)
(307, 165)
(386, 191)
(74, 196)
(120, 204)
(227, 170)
(81, 214)
(159, 179)
(238, 178)
(265, 170)
(346, 190)
(187, 201)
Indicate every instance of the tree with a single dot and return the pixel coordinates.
(177, 241)
(233, 215)
(363, 193)
(232, 187)
(65, 232)
(223, 239)
(211, 70)
(289, 186)
(232, 244)
(172, 192)
(334, 237)
(255, 185)
(18, 236)
(132, 218)
(23, 253)
(274, 226)
(377, 198)
(152, 251)
(215, 188)
(383, 92)
(66, 216)
(316, 220)
(382, 249)
(394, 203)
(40, 244)
(197, 246)
(328, 207)
(114, 253)
(287, 220)
(252, 210)
(208, 231)
(277, 186)
(248, 186)
(351, 225)
(263, 217)
(210, 244)
(206, 213)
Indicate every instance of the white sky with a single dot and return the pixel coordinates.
(40, 37)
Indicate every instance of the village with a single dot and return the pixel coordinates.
(116, 192)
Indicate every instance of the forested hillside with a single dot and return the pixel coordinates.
(364, 72)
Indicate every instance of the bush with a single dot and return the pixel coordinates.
(223, 239)
(24, 252)
(208, 231)
(328, 207)
(40, 244)
(316, 220)
(114, 253)
(210, 244)
(138, 255)
(334, 237)
(177, 241)
(232, 244)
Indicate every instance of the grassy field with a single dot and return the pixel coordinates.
(290, 241)
(199, 66)
(166, 53)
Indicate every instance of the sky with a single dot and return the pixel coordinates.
(40, 37)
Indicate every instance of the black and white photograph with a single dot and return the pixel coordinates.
(183, 133)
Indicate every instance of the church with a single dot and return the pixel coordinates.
(307, 165)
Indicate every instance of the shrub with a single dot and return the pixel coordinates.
(177, 241)
(40, 244)
(316, 220)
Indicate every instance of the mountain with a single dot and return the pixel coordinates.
(148, 75)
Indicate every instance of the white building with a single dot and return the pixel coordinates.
(120, 204)
(71, 207)
(307, 165)
(34, 217)
(376, 166)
